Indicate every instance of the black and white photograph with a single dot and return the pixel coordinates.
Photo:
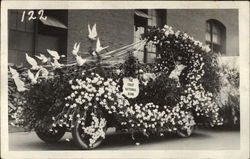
(124, 79)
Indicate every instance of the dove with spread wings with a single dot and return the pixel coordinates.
(177, 72)
(99, 48)
(56, 57)
(54, 54)
(79, 60)
(43, 58)
(92, 32)
(32, 62)
(76, 49)
(56, 64)
(19, 83)
(33, 77)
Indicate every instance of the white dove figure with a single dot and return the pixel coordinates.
(14, 72)
(176, 72)
(76, 49)
(32, 62)
(54, 54)
(33, 77)
(80, 61)
(43, 58)
(56, 64)
(99, 48)
(19, 84)
(92, 32)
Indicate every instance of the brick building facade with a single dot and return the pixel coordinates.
(116, 28)
(194, 23)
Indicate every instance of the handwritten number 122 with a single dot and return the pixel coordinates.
(32, 17)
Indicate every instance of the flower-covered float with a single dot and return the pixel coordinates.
(113, 89)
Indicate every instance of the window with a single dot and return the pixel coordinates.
(216, 36)
(36, 36)
(142, 19)
(52, 32)
(21, 36)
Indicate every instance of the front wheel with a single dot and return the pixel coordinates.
(189, 128)
(51, 136)
(185, 132)
(89, 133)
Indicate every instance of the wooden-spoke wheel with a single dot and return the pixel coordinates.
(82, 137)
(51, 136)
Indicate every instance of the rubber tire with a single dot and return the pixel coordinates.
(51, 138)
(185, 133)
(79, 142)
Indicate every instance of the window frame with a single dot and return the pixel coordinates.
(219, 46)
(158, 19)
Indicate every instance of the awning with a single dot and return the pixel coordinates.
(51, 21)
(142, 14)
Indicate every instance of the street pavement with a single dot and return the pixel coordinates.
(201, 139)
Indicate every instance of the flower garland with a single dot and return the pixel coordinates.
(88, 93)
(177, 48)
(149, 118)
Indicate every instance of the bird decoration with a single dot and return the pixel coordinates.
(76, 49)
(99, 48)
(32, 62)
(18, 82)
(80, 61)
(176, 72)
(92, 32)
(33, 77)
(56, 64)
(43, 58)
(54, 54)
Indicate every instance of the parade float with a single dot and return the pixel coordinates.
(181, 89)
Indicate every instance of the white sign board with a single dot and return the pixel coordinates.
(130, 87)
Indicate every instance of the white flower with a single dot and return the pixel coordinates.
(95, 80)
(177, 33)
(118, 71)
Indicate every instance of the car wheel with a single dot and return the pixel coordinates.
(51, 136)
(83, 139)
(188, 130)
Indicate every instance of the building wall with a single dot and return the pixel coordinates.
(194, 23)
(114, 27)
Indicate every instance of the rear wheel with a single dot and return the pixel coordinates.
(51, 136)
(90, 133)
